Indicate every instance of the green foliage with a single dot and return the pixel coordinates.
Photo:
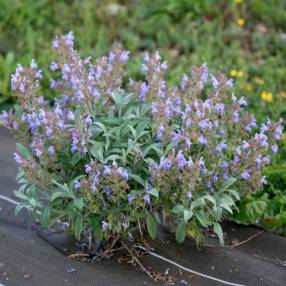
(151, 226)
(266, 208)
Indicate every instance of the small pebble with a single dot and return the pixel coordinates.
(27, 275)
(71, 270)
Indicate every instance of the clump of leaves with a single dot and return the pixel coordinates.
(266, 208)
(114, 156)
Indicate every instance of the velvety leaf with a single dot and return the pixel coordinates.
(78, 225)
(181, 232)
(151, 226)
(218, 231)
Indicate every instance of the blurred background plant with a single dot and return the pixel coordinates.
(244, 39)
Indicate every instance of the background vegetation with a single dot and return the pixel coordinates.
(244, 39)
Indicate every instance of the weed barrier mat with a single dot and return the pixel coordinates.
(31, 256)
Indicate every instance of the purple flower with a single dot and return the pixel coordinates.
(184, 81)
(157, 56)
(38, 152)
(104, 225)
(258, 160)
(154, 107)
(4, 117)
(164, 66)
(205, 73)
(88, 168)
(61, 124)
(160, 131)
(274, 148)
(223, 164)
(130, 198)
(88, 120)
(235, 116)
(214, 82)
(143, 92)
(204, 124)
(147, 199)
(75, 141)
(252, 123)
(70, 116)
(33, 64)
(225, 176)
(53, 83)
(202, 140)
(146, 57)
(215, 177)
(77, 185)
(262, 140)
(219, 108)
(111, 56)
(266, 160)
(242, 101)
(144, 68)
(15, 124)
(189, 122)
(236, 160)
(49, 131)
(245, 175)
(51, 150)
(123, 173)
(229, 83)
(55, 43)
(69, 39)
(263, 128)
(54, 66)
(210, 186)
(245, 145)
(278, 132)
(17, 158)
(181, 160)
(95, 180)
(190, 163)
(124, 56)
(107, 189)
(202, 165)
(106, 171)
(165, 164)
(221, 146)
(238, 151)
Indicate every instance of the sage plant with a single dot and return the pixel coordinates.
(112, 155)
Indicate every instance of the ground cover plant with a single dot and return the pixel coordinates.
(115, 155)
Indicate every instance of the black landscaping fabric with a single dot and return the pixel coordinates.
(30, 256)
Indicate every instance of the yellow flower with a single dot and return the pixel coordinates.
(282, 94)
(233, 73)
(259, 80)
(240, 22)
(266, 96)
(240, 74)
(238, 1)
(249, 87)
